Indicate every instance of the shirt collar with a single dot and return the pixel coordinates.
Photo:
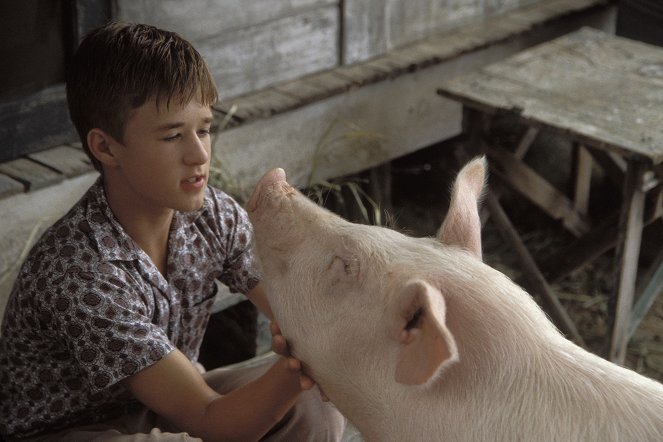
(112, 241)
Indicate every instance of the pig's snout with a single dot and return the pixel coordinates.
(267, 182)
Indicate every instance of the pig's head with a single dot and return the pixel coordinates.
(365, 307)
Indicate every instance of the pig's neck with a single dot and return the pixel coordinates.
(537, 383)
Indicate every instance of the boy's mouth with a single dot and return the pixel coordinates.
(194, 181)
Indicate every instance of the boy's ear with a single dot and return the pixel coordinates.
(427, 346)
(100, 144)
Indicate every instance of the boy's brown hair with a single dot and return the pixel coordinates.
(120, 66)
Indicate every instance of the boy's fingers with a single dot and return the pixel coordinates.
(279, 345)
(294, 364)
(305, 382)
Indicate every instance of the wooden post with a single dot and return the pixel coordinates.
(626, 258)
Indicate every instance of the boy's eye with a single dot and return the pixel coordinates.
(204, 132)
(172, 137)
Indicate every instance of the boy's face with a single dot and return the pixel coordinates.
(164, 159)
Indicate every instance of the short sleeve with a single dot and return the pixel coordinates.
(105, 323)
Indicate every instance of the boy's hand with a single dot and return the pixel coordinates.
(280, 347)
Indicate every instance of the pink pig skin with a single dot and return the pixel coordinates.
(416, 339)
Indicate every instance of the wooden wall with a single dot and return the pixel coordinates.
(373, 27)
(251, 44)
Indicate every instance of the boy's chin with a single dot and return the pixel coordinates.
(191, 206)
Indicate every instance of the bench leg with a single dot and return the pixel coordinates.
(627, 255)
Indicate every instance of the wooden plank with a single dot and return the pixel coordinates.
(581, 84)
(304, 91)
(532, 272)
(526, 142)
(31, 174)
(298, 45)
(9, 186)
(627, 254)
(262, 104)
(205, 19)
(372, 28)
(329, 82)
(528, 183)
(67, 160)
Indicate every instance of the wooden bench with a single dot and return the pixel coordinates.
(603, 92)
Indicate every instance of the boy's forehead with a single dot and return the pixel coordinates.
(153, 111)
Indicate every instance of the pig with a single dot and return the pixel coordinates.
(416, 339)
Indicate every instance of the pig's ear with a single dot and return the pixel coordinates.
(426, 345)
(462, 225)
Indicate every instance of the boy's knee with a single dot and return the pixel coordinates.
(310, 419)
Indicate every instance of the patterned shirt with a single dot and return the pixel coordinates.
(89, 308)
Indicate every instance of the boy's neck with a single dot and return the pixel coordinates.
(147, 225)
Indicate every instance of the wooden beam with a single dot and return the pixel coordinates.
(627, 254)
(526, 142)
(532, 186)
(30, 173)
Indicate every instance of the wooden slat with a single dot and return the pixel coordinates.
(67, 160)
(526, 142)
(206, 19)
(30, 173)
(372, 29)
(526, 181)
(9, 186)
(253, 58)
(627, 254)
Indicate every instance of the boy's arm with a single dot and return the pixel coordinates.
(174, 389)
(259, 298)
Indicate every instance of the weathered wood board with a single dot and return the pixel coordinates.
(202, 19)
(373, 27)
(249, 45)
(67, 160)
(32, 174)
(606, 92)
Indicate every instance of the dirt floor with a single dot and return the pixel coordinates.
(420, 187)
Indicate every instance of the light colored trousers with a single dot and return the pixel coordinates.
(310, 419)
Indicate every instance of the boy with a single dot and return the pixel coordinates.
(109, 309)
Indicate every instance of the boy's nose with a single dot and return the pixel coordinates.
(198, 152)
